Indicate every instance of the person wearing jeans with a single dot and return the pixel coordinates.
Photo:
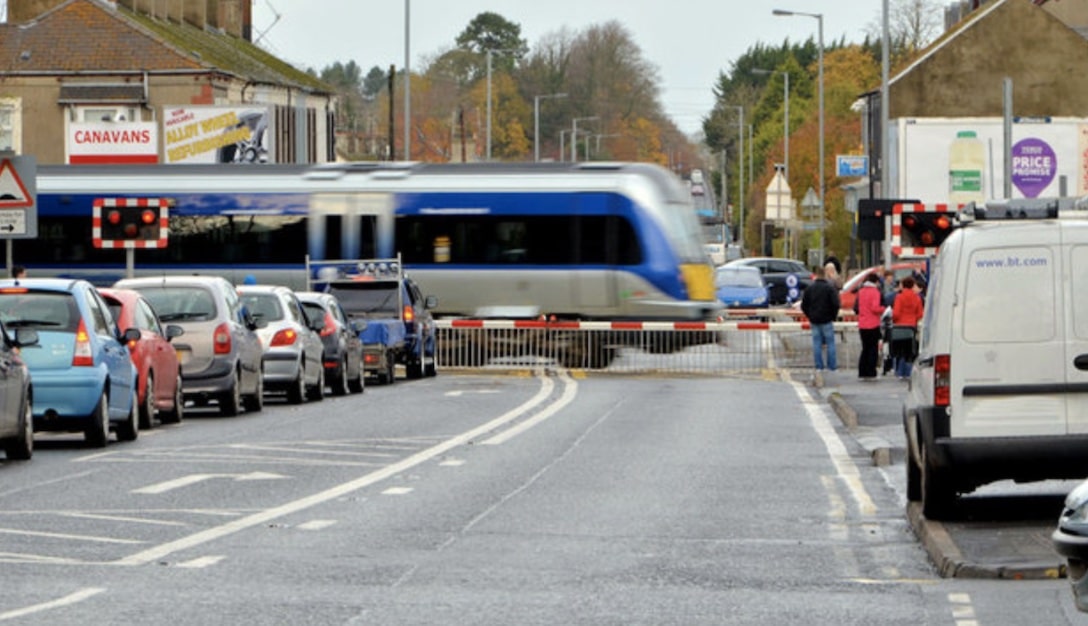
(820, 304)
(870, 310)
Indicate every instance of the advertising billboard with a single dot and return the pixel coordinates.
(956, 160)
(217, 134)
(113, 143)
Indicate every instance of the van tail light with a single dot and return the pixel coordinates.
(285, 337)
(330, 326)
(409, 314)
(82, 356)
(221, 338)
(942, 380)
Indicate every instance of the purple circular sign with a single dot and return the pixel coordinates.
(1034, 165)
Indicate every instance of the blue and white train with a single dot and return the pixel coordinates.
(574, 241)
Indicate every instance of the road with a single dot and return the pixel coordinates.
(528, 499)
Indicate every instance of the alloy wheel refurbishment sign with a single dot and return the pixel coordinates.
(113, 143)
(217, 134)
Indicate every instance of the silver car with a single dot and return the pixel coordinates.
(293, 350)
(219, 353)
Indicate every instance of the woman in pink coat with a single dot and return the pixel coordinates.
(870, 309)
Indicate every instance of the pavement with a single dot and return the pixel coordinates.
(993, 541)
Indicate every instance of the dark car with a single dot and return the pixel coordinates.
(344, 371)
(16, 418)
(786, 278)
(1071, 541)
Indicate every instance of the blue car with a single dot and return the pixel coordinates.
(741, 287)
(84, 380)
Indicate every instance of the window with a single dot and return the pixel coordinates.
(105, 113)
(10, 122)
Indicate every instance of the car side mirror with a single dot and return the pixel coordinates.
(358, 325)
(130, 335)
(25, 337)
(430, 302)
(173, 330)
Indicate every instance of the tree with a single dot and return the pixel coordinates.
(491, 31)
(912, 25)
(374, 82)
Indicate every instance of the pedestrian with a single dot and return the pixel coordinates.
(906, 312)
(820, 304)
(833, 270)
(18, 271)
(870, 310)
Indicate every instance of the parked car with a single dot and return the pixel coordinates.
(741, 287)
(781, 275)
(344, 371)
(900, 269)
(158, 375)
(1070, 539)
(220, 353)
(293, 350)
(83, 377)
(16, 417)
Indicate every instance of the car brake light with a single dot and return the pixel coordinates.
(13, 290)
(82, 355)
(330, 325)
(942, 380)
(409, 314)
(221, 339)
(285, 337)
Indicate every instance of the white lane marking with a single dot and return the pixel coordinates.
(121, 518)
(963, 611)
(397, 491)
(204, 561)
(317, 524)
(460, 392)
(570, 388)
(452, 462)
(191, 479)
(67, 600)
(845, 467)
(91, 538)
(15, 557)
(263, 517)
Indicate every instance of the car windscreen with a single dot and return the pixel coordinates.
(734, 278)
(42, 310)
(176, 303)
(263, 306)
(367, 297)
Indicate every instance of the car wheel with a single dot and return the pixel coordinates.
(340, 384)
(296, 393)
(21, 447)
(174, 415)
(255, 403)
(938, 495)
(147, 407)
(129, 429)
(357, 383)
(317, 392)
(230, 401)
(98, 430)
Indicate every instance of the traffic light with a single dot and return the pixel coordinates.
(926, 229)
(130, 223)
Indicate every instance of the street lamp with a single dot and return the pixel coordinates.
(574, 136)
(740, 173)
(820, 29)
(536, 121)
(491, 51)
(407, 88)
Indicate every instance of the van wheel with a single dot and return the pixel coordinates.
(98, 430)
(938, 495)
(914, 479)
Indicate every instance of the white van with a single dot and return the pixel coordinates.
(1000, 386)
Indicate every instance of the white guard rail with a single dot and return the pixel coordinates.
(727, 348)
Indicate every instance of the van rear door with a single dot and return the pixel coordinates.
(1076, 357)
(1009, 367)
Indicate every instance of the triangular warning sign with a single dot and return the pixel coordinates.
(13, 192)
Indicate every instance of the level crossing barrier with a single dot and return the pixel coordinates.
(754, 348)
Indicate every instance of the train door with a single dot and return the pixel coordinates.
(350, 226)
(594, 279)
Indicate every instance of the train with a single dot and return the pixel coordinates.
(585, 241)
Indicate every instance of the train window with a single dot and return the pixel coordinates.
(517, 240)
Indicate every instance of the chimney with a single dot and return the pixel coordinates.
(233, 17)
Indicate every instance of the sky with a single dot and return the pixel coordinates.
(689, 41)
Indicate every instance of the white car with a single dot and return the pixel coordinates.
(293, 350)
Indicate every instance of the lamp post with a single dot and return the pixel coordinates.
(407, 87)
(491, 51)
(536, 121)
(820, 30)
(740, 173)
(562, 145)
(574, 136)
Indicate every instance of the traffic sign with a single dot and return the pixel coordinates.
(18, 197)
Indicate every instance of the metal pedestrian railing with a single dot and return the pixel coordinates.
(728, 348)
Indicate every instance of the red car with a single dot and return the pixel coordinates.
(158, 387)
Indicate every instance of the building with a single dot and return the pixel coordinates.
(166, 81)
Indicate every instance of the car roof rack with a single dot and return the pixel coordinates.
(1024, 209)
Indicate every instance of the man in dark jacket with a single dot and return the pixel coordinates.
(820, 304)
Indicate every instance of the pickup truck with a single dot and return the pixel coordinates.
(399, 326)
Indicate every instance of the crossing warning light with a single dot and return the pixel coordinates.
(130, 222)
